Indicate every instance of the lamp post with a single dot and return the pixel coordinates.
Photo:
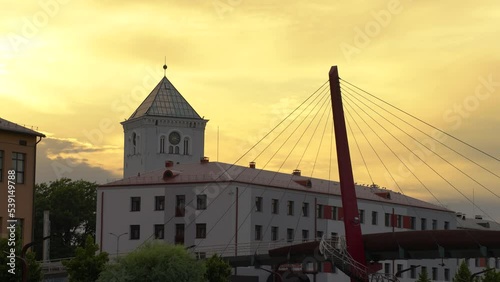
(117, 241)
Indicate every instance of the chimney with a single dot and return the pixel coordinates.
(169, 163)
(204, 160)
(296, 172)
(252, 165)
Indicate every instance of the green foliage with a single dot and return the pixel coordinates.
(4, 275)
(156, 261)
(463, 273)
(423, 276)
(34, 268)
(217, 270)
(86, 265)
(72, 206)
(491, 276)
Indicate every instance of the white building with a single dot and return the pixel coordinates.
(163, 127)
(171, 192)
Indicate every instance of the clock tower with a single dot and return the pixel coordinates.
(163, 128)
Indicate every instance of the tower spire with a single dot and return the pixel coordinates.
(165, 67)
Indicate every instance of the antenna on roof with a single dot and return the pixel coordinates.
(165, 67)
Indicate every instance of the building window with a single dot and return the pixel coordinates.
(170, 149)
(179, 233)
(319, 211)
(274, 233)
(334, 212)
(135, 232)
(134, 143)
(413, 271)
(162, 145)
(186, 146)
(200, 255)
(423, 269)
(446, 274)
(201, 202)
(258, 232)
(399, 268)
(289, 235)
(159, 203)
(305, 209)
(180, 206)
(387, 268)
(434, 273)
(423, 224)
(305, 235)
(374, 218)
(20, 227)
(399, 222)
(159, 231)
(413, 223)
(258, 204)
(18, 164)
(275, 206)
(319, 235)
(290, 208)
(387, 219)
(1, 165)
(434, 224)
(361, 216)
(176, 150)
(135, 203)
(334, 236)
(446, 225)
(476, 262)
(201, 230)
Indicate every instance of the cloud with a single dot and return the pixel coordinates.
(70, 158)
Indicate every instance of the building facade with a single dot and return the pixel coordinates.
(17, 158)
(171, 192)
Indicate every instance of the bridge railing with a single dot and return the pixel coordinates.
(53, 266)
(247, 248)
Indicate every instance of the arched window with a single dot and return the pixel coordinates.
(134, 143)
(186, 146)
(170, 149)
(177, 149)
(162, 144)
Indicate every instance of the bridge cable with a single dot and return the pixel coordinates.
(428, 124)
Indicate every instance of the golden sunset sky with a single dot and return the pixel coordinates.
(75, 69)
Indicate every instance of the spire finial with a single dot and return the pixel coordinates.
(165, 67)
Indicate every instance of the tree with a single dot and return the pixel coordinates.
(86, 265)
(463, 273)
(491, 276)
(155, 261)
(217, 270)
(423, 277)
(34, 268)
(72, 206)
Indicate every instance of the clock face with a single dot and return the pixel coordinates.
(174, 138)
